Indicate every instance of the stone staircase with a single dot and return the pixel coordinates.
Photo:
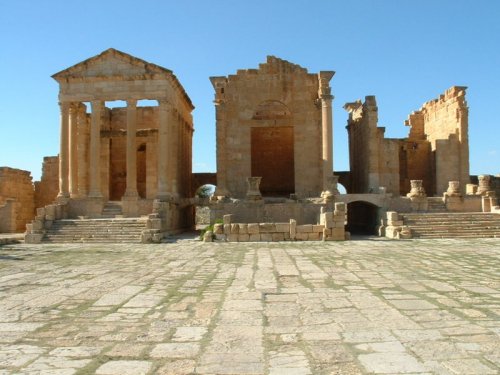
(112, 209)
(436, 204)
(117, 230)
(453, 225)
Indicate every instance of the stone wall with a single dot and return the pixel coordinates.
(330, 228)
(17, 197)
(444, 123)
(47, 188)
(269, 126)
(374, 160)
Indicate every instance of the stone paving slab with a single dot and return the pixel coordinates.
(358, 307)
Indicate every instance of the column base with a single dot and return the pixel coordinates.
(95, 194)
(130, 205)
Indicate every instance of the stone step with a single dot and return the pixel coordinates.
(453, 225)
(96, 230)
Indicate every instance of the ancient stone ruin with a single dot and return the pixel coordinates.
(124, 173)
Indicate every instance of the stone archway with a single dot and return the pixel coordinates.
(362, 218)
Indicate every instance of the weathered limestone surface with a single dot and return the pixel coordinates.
(373, 159)
(270, 124)
(442, 122)
(16, 199)
(357, 307)
(436, 150)
(47, 188)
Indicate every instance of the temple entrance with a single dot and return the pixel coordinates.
(362, 218)
(273, 159)
(141, 171)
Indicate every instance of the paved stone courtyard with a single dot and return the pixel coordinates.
(358, 307)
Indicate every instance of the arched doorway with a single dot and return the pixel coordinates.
(362, 218)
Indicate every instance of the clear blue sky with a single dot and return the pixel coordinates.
(404, 52)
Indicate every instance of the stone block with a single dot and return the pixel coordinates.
(301, 236)
(253, 228)
(267, 228)
(154, 224)
(396, 223)
(286, 236)
(218, 229)
(283, 227)
(278, 237)
(48, 224)
(227, 228)
(306, 228)
(227, 219)
(315, 236)
(347, 236)
(338, 232)
(317, 228)
(37, 225)
(208, 236)
(157, 237)
(392, 216)
(232, 238)
(243, 229)
(33, 238)
(254, 237)
(235, 229)
(243, 237)
(340, 206)
(220, 237)
(267, 237)
(293, 229)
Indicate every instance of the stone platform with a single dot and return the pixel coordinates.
(356, 307)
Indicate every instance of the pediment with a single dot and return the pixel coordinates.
(111, 64)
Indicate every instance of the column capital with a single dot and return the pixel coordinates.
(64, 106)
(326, 98)
(131, 102)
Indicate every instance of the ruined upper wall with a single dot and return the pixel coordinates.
(374, 160)
(444, 123)
(441, 117)
(47, 188)
(17, 196)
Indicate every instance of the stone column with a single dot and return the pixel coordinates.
(221, 187)
(95, 150)
(163, 192)
(174, 151)
(82, 146)
(63, 153)
(326, 125)
(73, 150)
(131, 190)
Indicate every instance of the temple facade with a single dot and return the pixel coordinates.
(133, 154)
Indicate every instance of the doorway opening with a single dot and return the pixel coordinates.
(362, 218)
(272, 150)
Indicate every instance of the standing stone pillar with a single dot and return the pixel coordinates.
(174, 152)
(95, 150)
(73, 150)
(221, 187)
(131, 190)
(63, 153)
(82, 134)
(163, 192)
(326, 125)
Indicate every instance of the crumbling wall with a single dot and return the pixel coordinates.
(47, 188)
(374, 160)
(16, 198)
(443, 122)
